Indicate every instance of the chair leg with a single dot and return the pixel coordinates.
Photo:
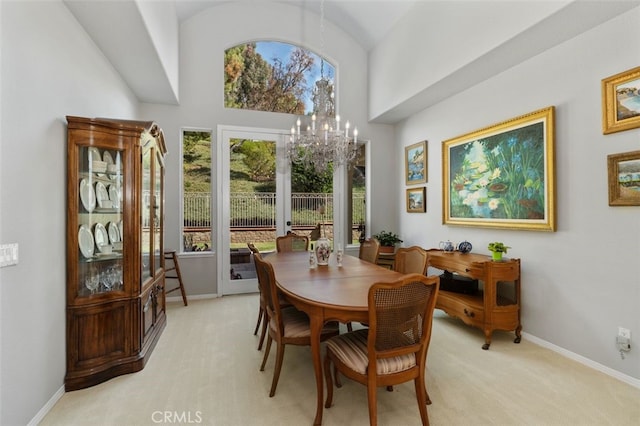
(336, 376)
(423, 400)
(327, 376)
(373, 402)
(265, 322)
(276, 371)
(266, 353)
(260, 311)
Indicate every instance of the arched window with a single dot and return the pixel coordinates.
(274, 76)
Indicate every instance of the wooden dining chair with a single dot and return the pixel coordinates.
(411, 260)
(262, 312)
(393, 349)
(292, 242)
(287, 326)
(369, 250)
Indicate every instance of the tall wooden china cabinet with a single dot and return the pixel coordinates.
(115, 266)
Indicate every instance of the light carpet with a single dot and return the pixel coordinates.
(205, 370)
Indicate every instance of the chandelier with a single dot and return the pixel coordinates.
(322, 141)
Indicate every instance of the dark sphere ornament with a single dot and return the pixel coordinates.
(465, 247)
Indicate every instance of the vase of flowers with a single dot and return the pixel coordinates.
(497, 249)
(323, 251)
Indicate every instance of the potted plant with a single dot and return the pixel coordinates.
(496, 249)
(388, 241)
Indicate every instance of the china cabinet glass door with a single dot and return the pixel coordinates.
(147, 201)
(100, 220)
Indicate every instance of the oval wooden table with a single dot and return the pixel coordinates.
(327, 293)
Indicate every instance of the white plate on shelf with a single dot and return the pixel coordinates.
(120, 228)
(85, 241)
(114, 232)
(114, 196)
(102, 195)
(107, 158)
(94, 154)
(87, 195)
(101, 236)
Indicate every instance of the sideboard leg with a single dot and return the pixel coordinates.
(487, 339)
(518, 335)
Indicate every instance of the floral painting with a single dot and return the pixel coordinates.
(621, 101)
(502, 176)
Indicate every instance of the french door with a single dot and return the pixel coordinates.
(254, 198)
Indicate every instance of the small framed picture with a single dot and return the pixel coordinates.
(415, 163)
(417, 200)
(621, 101)
(624, 179)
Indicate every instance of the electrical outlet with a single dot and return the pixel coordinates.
(624, 332)
(624, 344)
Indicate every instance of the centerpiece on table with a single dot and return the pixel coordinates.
(323, 245)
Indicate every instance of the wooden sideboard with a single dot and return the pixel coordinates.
(496, 306)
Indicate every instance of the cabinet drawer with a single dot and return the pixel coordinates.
(468, 308)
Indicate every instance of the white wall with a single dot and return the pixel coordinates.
(582, 282)
(203, 40)
(444, 37)
(50, 69)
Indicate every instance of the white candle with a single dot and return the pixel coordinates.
(298, 124)
(338, 122)
(346, 127)
(355, 135)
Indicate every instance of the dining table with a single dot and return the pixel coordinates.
(327, 293)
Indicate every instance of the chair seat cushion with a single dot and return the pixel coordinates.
(351, 350)
(296, 323)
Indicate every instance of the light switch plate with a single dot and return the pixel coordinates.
(8, 254)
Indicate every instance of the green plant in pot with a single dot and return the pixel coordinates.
(496, 249)
(388, 241)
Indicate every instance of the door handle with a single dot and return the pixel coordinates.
(288, 223)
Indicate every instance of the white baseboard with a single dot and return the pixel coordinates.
(585, 361)
(194, 297)
(47, 407)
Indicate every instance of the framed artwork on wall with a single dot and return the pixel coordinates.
(502, 176)
(621, 101)
(417, 200)
(624, 179)
(415, 163)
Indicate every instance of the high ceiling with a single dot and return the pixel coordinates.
(367, 21)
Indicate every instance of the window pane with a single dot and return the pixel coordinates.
(196, 177)
(273, 76)
(252, 204)
(356, 217)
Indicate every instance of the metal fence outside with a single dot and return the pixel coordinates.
(258, 209)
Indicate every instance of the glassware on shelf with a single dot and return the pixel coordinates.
(91, 281)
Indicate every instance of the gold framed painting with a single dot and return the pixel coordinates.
(415, 163)
(502, 176)
(621, 101)
(624, 179)
(417, 200)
